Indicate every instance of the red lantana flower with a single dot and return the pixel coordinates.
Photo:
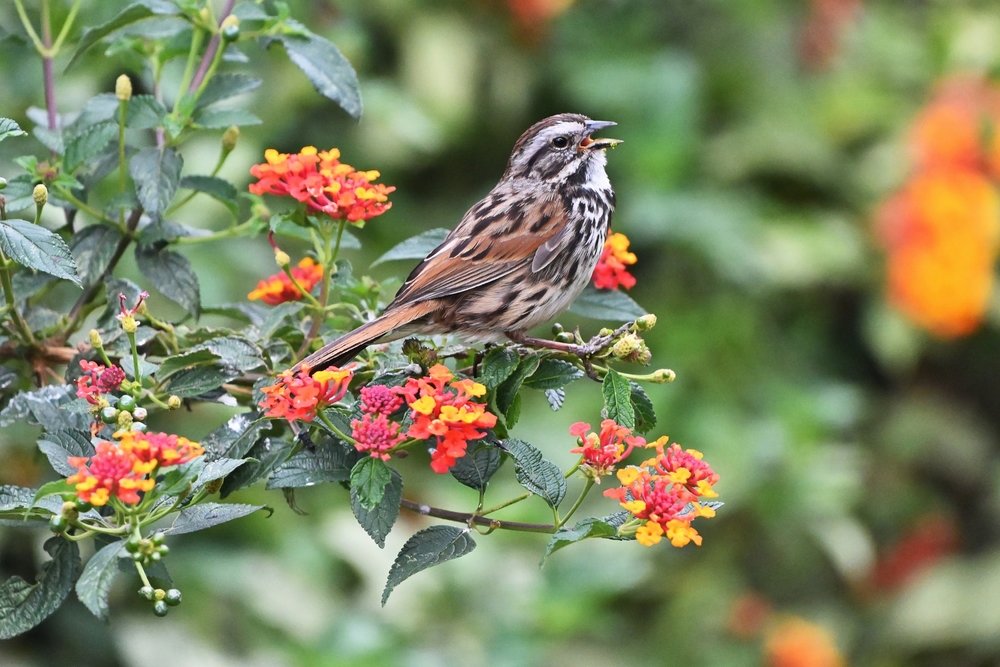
(96, 380)
(376, 435)
(442, 407)
(611, 271)
(322, 183)
(602, 452)
(298, 396)
(158, 450)
(279, 288)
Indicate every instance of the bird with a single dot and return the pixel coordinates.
(518, 257)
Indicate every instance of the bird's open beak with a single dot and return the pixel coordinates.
(594, 126)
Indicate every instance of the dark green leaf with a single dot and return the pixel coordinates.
(146, 368)
(24, 605)
(98, 109)
(195, 381)
(92, 249)
(16, 497)
(206, 515)
(156, 173)
(618, 399)
(217, 469)
(9, 128)
(431, 546)
(38, 248)
(415, 247)
(45, 407)
(553, 374)
(602, 304)
(236, 437)
(645, 415)
(180, 479)
(129, 15)
(188, 360)
(378, 521)
(475, 469)
(88, 143)
(538, 475)
(226, 85)
(217, 119)
(497, 366)
(144, 113)
(585, 528)
(267, 454)
(370, 476)
(94, 583)
(235, 351)
(507, 391)
(172, 275)
(59, 445)
(330, 461)
(217, 188)
(326, 67)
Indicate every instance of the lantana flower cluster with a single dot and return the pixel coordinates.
(374, 432)
(442, 407)
(323, 183)
(279, 288)
(126, 468)
(666, 493)
(297, 396)
(97, 379)
(611, 271)
(601, 452)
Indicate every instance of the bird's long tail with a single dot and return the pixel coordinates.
(351, 344)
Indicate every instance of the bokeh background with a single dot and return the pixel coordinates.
(809, 187)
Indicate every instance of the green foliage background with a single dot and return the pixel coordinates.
(746, 184)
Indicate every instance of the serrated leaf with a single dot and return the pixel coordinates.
(370, 477)
(556, 398)
(180, 479)
(618, 399)
(9, 128)
(217, 188)
(645, 415)
(585, 528)
(95, 582)
(378, 521)
(267, 454)
(24, 605)
(129, 15)
(37, 248)
(415, 247)
(330, 461)
(330, 72)
(235, 351)
(144, 112)
(156, 173)
(98, 109)
(217, 119)
(236, 437)
(553, 374)
(92, 248)
(195, 381)
(217, 469)
(497, 366)
(507, 391)
(206, 515)
(88, 143)
(59, 445)
(480, 462)
(535, 473)
(226, 85)
(188, 360)
(172, 275)
(431, 546)
(45, 407)
(602, 304)
(16, 497)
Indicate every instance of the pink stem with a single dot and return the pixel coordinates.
(213, 46)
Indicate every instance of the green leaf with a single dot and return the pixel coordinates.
(538, 475)
(206, 515)
(189, 360)
(144, 112)
(195, 381)
(326, 67)
(94, 583)
(217, 188)
(216, 469)
(226, 85)
(180, 479)
(267, 454)
(645, 415)
(431, 546)
(217, 119)
(59, 445)
(370, 476)
(415, 247)
(57, 487)
(92, 248)
(16, 497)
(330, 461)
(131, 14)
(585, 528)
(172, 275)
(235, 351)
(498, 364)
(507, 391)
(37, 248)
(88, 143)
(146, 368)
(24, 605)
(236, 437)
(553, 374)
(286, 225)
(156, 173)
(602, 304)
(46, 407)
(618, 399)
(9, 128)
(476, 468)
(98, 109)
(378, 520)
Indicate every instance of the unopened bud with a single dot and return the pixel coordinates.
(3, 183)
(124, 420)
(129, 324)
(631, 348)
(230, 28)
(95, 339)
(205, 14)
(139, 414)
(70, 511)
(174, 402)
(40, 194)
(232, 19)
(123, 88)
(282, 258)
(229, 138)
(645, 323)
(663, 376)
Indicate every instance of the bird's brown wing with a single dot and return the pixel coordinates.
(485, 247)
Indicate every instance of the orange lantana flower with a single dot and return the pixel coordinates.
(798, 643)
(279, 288)
(323, 183)
(298, 396)
(611, 271)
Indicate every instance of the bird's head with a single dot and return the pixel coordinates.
(560, 148)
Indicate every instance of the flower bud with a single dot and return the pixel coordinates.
(645, 323)
(109, 415)
(123, 88)
(229, 138)
(3, 183)
(232, 19)
(205, 15)
(159, 594)
(40, 194)
(139, 414)
(58, 524)
(631, 348)
(662, 376)
(173, 597)
(95, 339)
(282, 258)
(605, 332)
(565, 337)
(124, 419)
(146, 592)
(557, 329)
(230, 28)
(174, 402)
(129, 324)
(160, 608)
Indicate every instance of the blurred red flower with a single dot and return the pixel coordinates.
(797, 643)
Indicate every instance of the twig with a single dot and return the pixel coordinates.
(213, 46)
(462, 517)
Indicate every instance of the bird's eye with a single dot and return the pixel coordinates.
(560, 142)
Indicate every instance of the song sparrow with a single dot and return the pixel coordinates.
(518, 258)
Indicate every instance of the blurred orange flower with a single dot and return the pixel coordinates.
(279, 288)
(611, 271)
(798, 643)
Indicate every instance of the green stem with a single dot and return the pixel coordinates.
(142, 573)
(579, 501)
(235, 230)
(194, 193)
(122, 109)
(8, 293)
(64, 32)
(523, 496)
(29, 28)
(135, 356)
(474, 519)
(86, 208)
(196, 40)
(216, 59)
(330, 425)
(287, 270)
